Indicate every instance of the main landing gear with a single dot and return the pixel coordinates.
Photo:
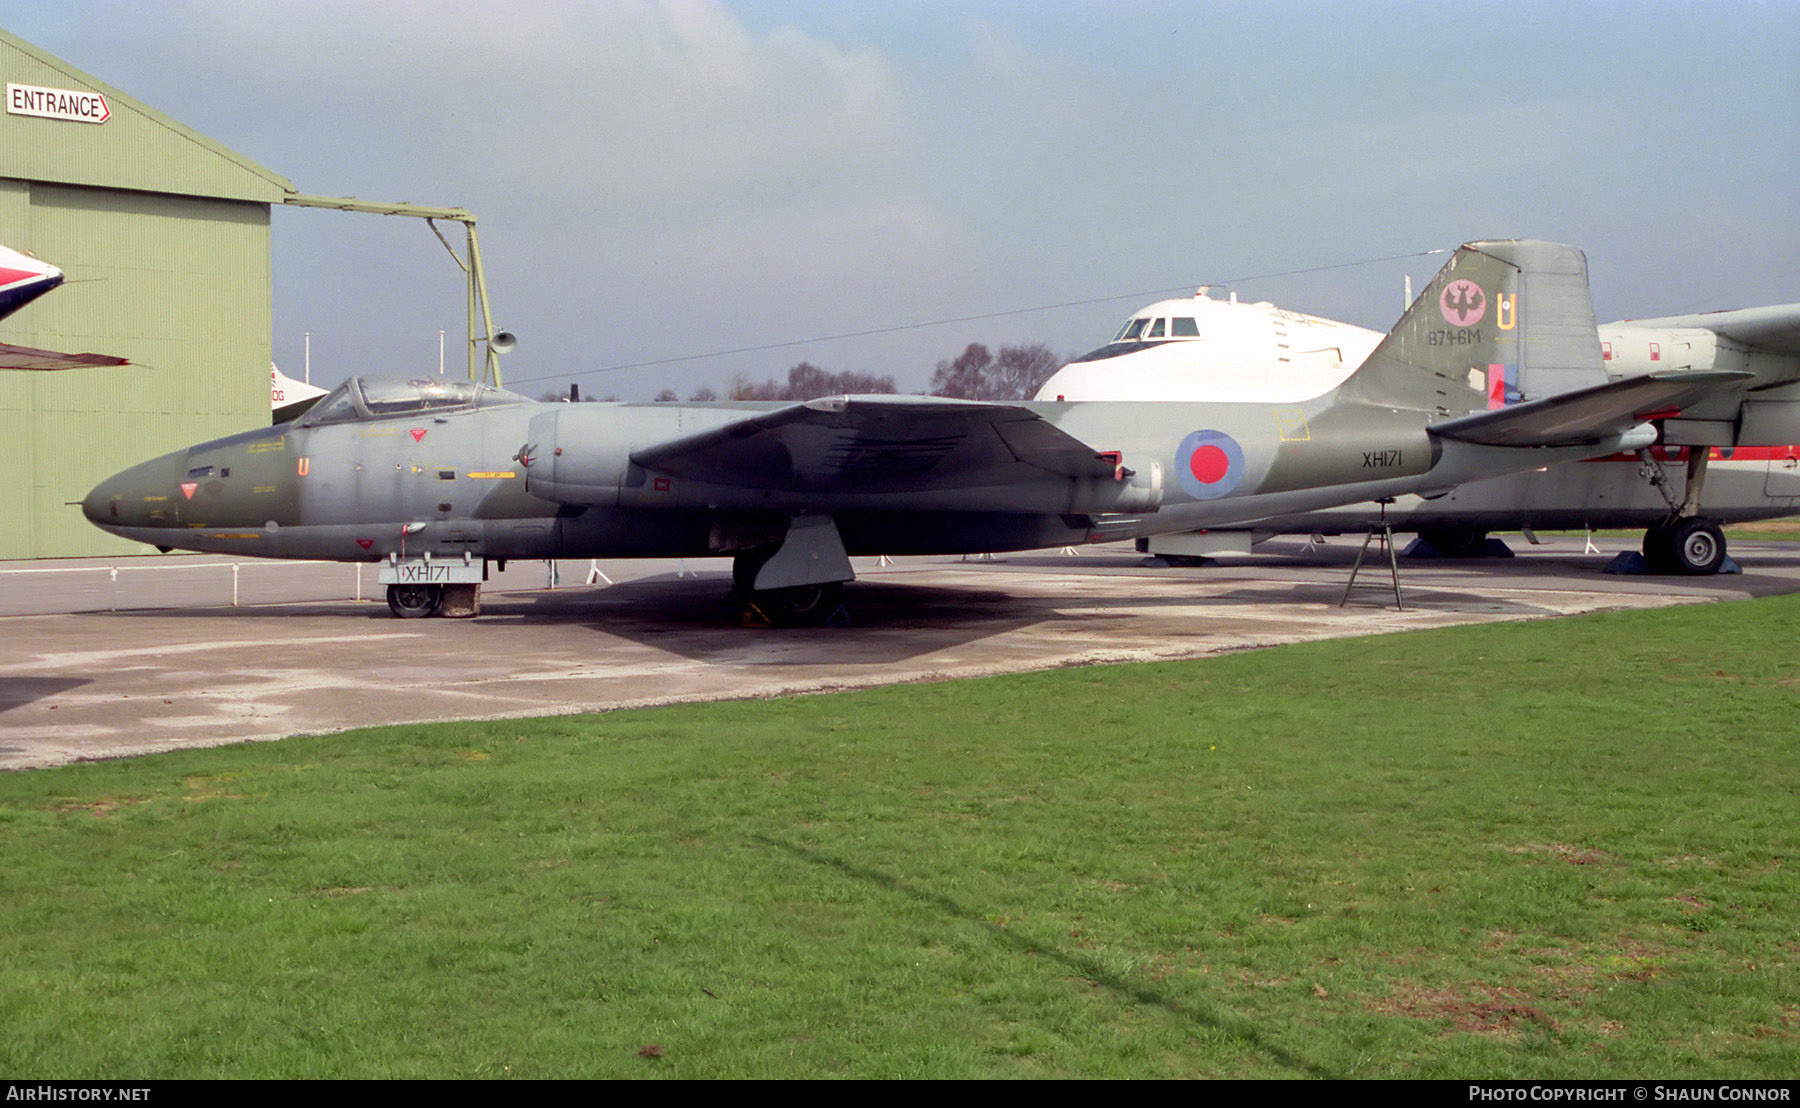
(801, 605)
(1691, 545)
(810, 605)
(1687, 542)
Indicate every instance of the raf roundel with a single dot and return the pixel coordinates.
(1209, 464)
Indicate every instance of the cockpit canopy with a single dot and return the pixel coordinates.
(1145, 328)
(1164, 321)
(361, 398)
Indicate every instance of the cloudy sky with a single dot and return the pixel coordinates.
(672, 180)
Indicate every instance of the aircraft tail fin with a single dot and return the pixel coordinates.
(1500, 318)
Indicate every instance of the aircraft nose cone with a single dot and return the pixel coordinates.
(93, 506)
(142, 496)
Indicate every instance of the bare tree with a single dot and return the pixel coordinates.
(975, 374)
(665, 396)
(742, 388)
(1020, 371)
(964, 377)
(808, 382)
(573, 396)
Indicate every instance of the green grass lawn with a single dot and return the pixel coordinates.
(1561, 848)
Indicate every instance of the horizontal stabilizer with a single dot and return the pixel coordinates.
(1591, 414)
(876, 441)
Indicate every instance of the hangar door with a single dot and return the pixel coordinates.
(177, 284)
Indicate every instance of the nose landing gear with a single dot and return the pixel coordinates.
(414, 601)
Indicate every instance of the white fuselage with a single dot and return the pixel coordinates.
(1250, 353)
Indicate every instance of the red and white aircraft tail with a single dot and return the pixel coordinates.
(23, 279)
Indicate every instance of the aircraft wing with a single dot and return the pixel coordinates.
(1775, 328)
(1590, 414)
(878, 442)
(26, 357)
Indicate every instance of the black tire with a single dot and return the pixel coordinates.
(1694, 546)
(414, 601)
(1656, 547)
(801, 606)
(1457, 544)
(1186, 561)
(745, 565)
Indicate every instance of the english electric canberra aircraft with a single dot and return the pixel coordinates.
(1737, 444)
(434, 478)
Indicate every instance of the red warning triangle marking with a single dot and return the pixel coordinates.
(418, 433)
(365, 543)
(187, 489)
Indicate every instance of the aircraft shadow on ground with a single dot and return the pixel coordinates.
(16, 692)
(890, 622)
(694, 619)
(670, 612)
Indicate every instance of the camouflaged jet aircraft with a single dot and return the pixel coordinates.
(434, 478)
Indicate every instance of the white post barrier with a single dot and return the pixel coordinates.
(120, 577)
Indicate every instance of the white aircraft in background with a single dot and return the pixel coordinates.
(289, 399)
(1738, 450)
(23, 279)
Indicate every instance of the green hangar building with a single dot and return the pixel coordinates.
(163, 237)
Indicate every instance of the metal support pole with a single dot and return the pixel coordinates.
(481, 326)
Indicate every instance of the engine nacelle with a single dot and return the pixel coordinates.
(570, 458)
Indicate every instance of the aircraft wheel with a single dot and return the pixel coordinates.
(1185, 561)
(414, 601)
(1457, 544)
(1694, 546)
(801, 606)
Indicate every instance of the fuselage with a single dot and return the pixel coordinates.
(451, 469)
(1203, 350)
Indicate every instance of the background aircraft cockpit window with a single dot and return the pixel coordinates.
(1132, 330)
(1155, 331)
(1183, 327)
